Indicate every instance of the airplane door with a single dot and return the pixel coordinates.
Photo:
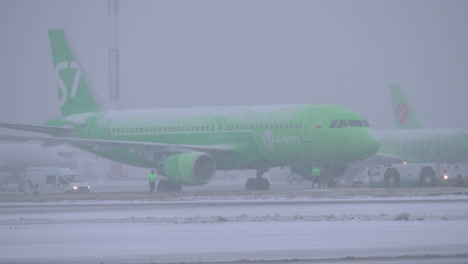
(92, 127)
(308, 125)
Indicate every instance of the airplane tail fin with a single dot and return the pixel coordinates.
(404, 116)
(74, 94)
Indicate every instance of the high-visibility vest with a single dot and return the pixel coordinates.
(151, 176)
(316, 171)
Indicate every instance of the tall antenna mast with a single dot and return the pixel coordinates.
(114, 54)
(117, 170)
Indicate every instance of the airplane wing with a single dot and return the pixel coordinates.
(51, 130)
(108, 145)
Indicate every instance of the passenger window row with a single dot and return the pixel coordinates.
(212, 128)
(351, 123)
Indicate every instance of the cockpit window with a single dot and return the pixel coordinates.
(355, 123)
(351, 123)
(342, 123)
(365, 123)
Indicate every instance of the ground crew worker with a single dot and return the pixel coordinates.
(459, 181)
(152, 180)
(316, 176)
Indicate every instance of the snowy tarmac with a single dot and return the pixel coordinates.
(299, 226)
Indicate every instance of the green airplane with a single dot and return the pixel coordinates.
(188, 145)
(411, 143)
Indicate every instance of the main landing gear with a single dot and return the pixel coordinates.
(168, 186)
(258, 183)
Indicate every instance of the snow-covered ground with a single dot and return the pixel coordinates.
(228, 241)
(289, 227)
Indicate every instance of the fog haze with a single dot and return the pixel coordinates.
(205, 53)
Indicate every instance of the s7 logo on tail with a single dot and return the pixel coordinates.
(63, 65)
(402, 113)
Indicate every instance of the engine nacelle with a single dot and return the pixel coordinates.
(190, 168)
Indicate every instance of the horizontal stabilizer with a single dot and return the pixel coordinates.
(51, 130)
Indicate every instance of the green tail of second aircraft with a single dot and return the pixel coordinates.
(404, 115)
(73, 91)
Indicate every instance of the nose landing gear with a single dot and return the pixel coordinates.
(258, 183)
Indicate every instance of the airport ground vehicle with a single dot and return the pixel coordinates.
(412, 174)
(47, 180)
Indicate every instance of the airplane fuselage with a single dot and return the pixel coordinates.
(425, 145)
(259, 136)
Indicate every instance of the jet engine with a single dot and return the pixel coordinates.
(190, 168)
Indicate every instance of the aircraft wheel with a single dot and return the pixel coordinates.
(168, 186)
(257, 184)
(392, 181)
(264, 184)
(177, 187)
(427, 180)
(250, 184)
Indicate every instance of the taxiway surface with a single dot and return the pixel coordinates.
(295, 225)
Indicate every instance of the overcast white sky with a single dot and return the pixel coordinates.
(205, 53)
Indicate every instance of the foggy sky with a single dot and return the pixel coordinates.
(205, 53)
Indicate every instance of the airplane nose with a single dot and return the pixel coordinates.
(372, 143)
(365, 144)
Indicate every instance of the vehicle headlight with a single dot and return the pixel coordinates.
(89, 187)
(75, 187)
(445, 177)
